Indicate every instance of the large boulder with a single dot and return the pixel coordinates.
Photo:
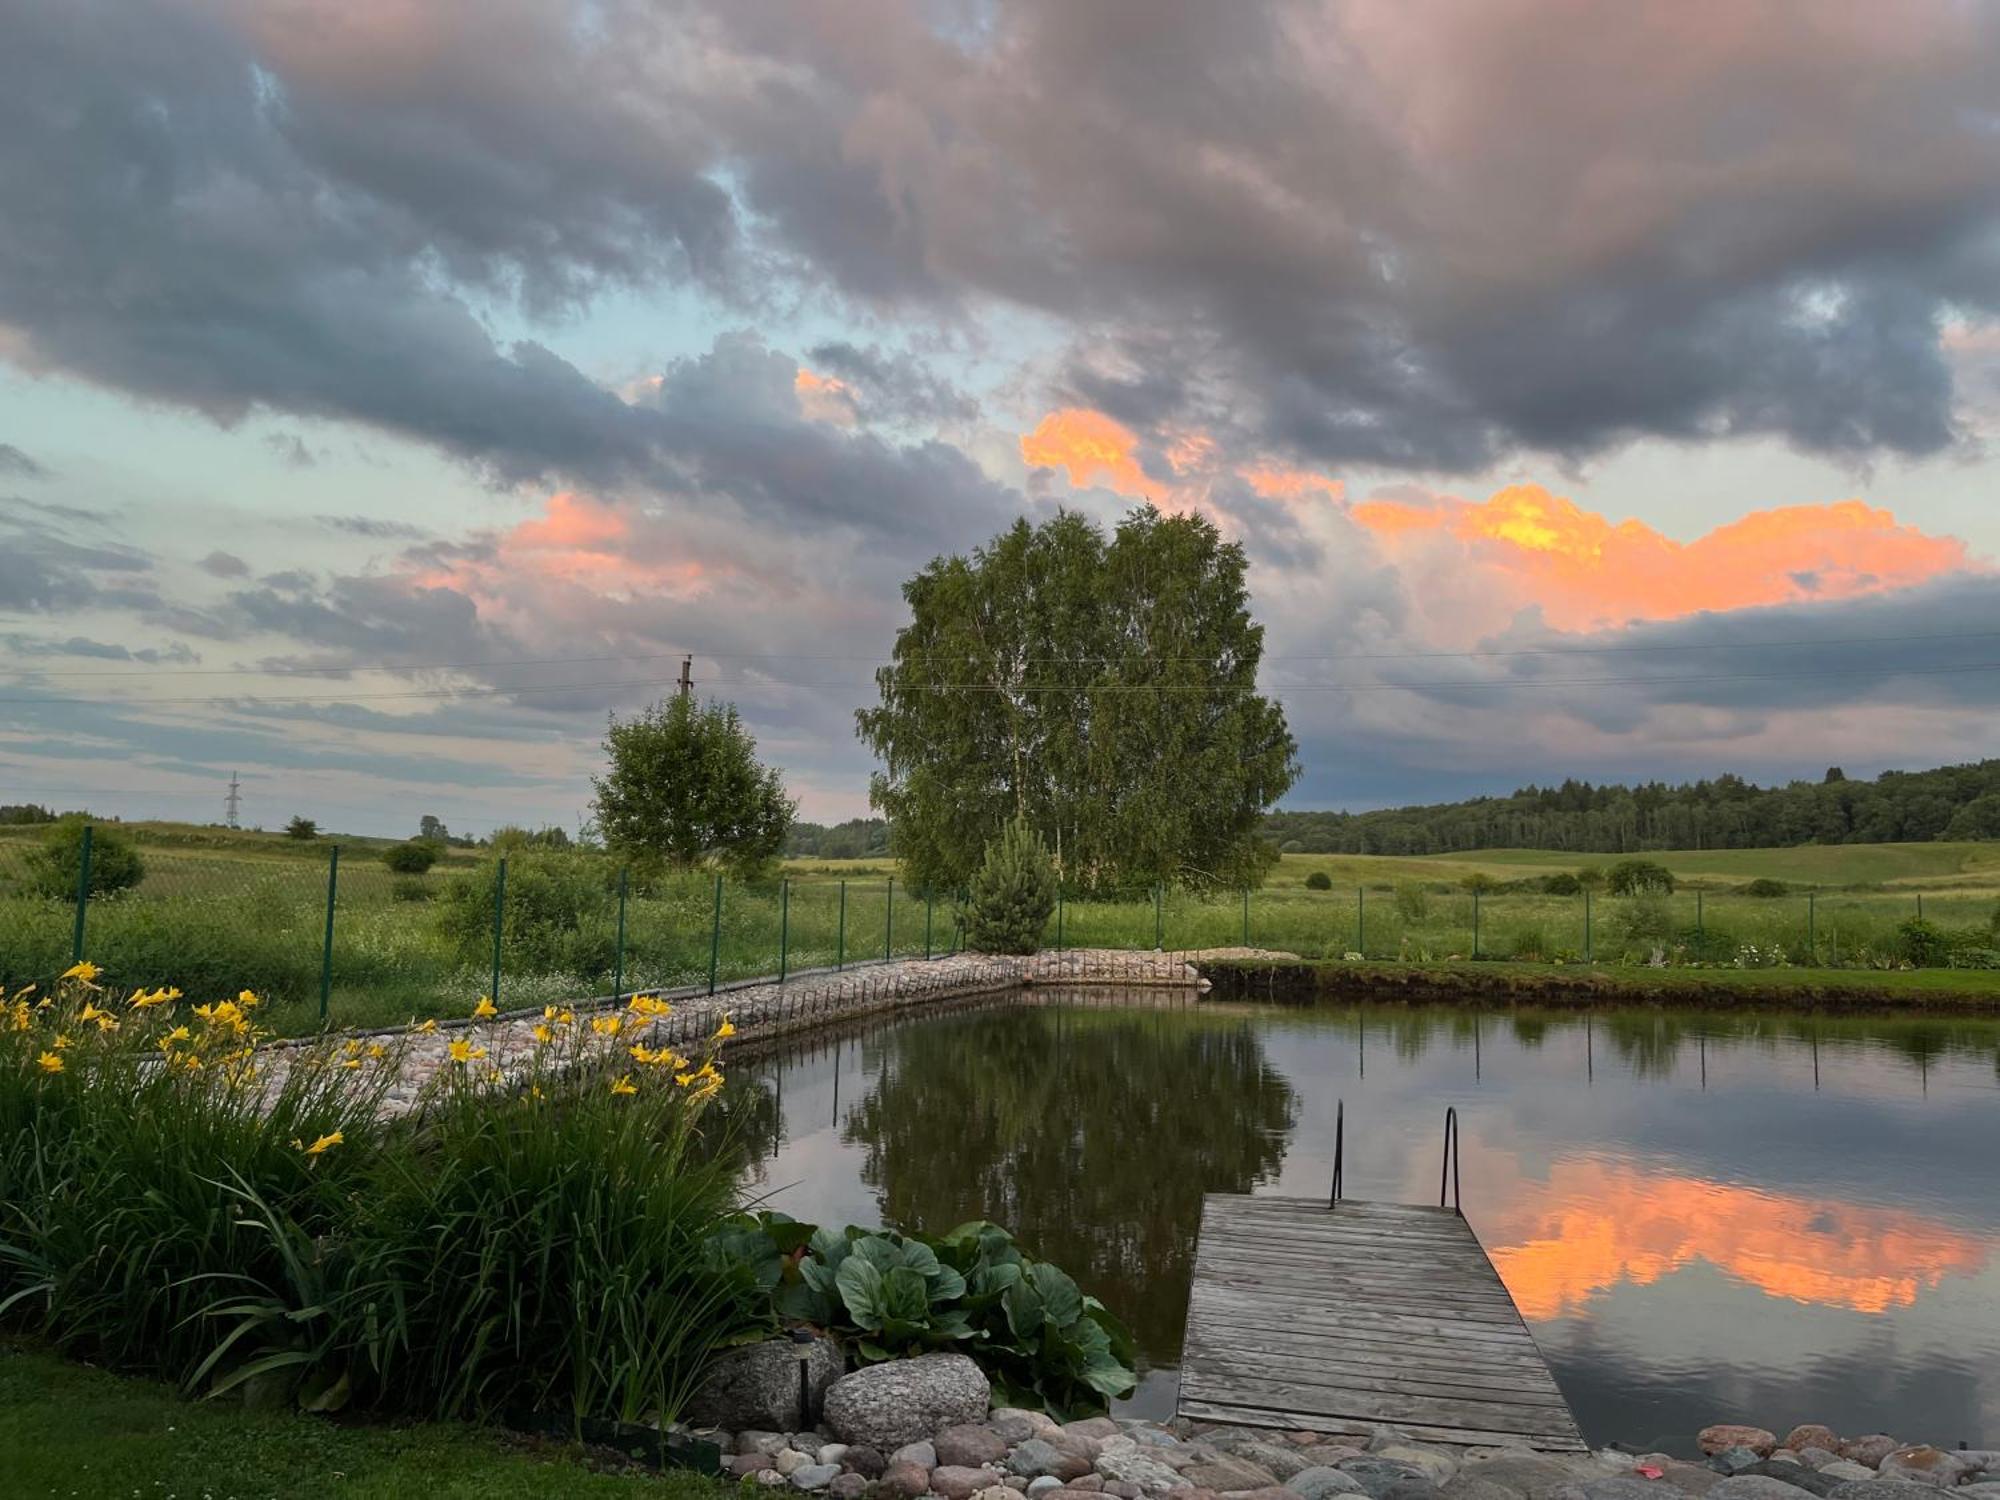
(758, 1386)
(1760, 1487)
(1323, 1480)
(1925, 1465)
(1727, 1435)
(1812, 1435)
(1870, 1449)
(905, 1400)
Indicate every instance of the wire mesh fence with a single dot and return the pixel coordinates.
(332, 936)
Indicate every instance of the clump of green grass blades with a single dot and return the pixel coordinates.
(175, 1202)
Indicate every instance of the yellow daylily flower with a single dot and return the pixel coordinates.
(351, 1063)
(462, 1051)
(86, 971)
(426, 1028)
(727, 1028)
(485, 1008)
(607, 1025)
(147, 999)
(650, 1006)
(63, 1043)
(321, 1146)
(48, 1062)
(376, 1051)
(624, 1085)
(543, 1034)
(178, 1034)
(248, 999)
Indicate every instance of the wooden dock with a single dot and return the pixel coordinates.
(1340, 1320)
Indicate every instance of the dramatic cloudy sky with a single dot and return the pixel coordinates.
(389, 388)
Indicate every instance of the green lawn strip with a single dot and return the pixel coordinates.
(1960, 990)
(73, 1431)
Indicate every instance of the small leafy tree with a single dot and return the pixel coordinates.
(1922, 943)
(55, 867)
(1319, 880)
(304, 830)
(685, 788)
(432, 828)
(1012, 894)
(1640, 877)
(411, 857)
(1562, 883)
(1765, 887)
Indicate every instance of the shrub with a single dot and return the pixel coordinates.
(1765, 888)
(303, 830)
(1590, 877)
(54, 868)
(411, 888)
(1042, 1342)
(1319, 880)
(1975, 958)
(1638, 877)
(1012, 894)
(560, 914)
(1562, 883)
(411, 857)
(1413, 901)
(1647, 917)
(1922, 943)
(1531, 943)
(1479, 882)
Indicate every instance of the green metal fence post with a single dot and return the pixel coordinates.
(1812, 945)
(1246, 916)
(784, 927)
(326, 949)
(1159, 917)
(1475, 923)
(499, 914)
(1700, 926)
(82, 899)
(1588, 957)
(715, 936)
(929, 903)
(1361, 920)
(840, 943)
(1920, 906)
(889, 924)
(618, 966)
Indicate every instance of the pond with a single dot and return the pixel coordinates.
(1702, 1216)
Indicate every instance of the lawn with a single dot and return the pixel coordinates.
(71, 1431)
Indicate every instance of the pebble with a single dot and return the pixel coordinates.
(1228, 1472)
(1734, 1460)
(865, 1461)
(972, 1445)
(766, 1443)
(770, 1478)
(1812, 1435)
(815, 1476)
(1726, 1435)
(1014, 1482)
(923, 1455)
(1042, 1484)
(848, 1486)
(1797, 1476)
(832, 1453)
(903, 1480)
(788, 1461)
(1755, 1487)
(1322, 1480)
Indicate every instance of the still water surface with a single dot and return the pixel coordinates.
(1701, 1216)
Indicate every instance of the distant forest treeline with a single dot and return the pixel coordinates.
(1953, 802)
(857, 838)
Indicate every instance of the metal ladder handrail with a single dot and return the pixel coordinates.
(1448, 1167)
(1339, 1132)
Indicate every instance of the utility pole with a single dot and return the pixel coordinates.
(687, 678)
(233, 801)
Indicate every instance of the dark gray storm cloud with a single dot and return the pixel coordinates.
(45, 568)
(1352, 231)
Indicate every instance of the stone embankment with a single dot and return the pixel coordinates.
(759, 1010)
(913, 1429)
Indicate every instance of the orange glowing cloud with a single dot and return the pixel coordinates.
(826, 398)
(1281, 482)
(593, 544)
(1585, 572)
(1597, 1225)
(1092, 448)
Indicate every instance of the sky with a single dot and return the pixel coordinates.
(390, 390)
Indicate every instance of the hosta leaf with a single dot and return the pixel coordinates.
(1024, 1310)
(905, 1297)
(947, 1285)
(1061, 1301)
(860, 1284)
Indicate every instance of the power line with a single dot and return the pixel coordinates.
(1478, 653)
(1274, 690)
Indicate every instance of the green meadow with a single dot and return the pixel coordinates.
(219, 910)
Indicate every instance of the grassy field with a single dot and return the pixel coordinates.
(67, 1430)
(218, 911)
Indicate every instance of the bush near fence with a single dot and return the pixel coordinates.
(304, 925)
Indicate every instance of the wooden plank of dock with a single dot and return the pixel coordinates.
(1364, 1315)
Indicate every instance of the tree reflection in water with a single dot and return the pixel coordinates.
(1090, 1132)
